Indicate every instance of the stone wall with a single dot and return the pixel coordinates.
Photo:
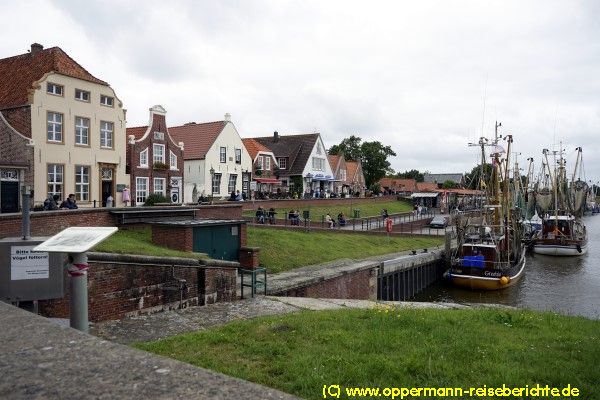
(126, 285)
(356, 285)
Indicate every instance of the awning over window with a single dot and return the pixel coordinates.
(424, 194)
(267, 180)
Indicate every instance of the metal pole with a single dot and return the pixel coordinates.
(25, 217)
(79, 291)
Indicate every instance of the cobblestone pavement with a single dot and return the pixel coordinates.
(168, 323)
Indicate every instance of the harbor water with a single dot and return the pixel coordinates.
(566, 285)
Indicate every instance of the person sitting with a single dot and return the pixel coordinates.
(271, 215)
(384, 214)
(341, 219)
(232, 196)
(296, 217)
(260, 216)
(238, 196)
(51, 203)
(329, 221)
(69, 203)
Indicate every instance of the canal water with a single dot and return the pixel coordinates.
(566, 285)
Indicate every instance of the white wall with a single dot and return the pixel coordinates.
(309, 165)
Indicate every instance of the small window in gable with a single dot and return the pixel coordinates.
(159, 136)
(53, 88)
(144, 158)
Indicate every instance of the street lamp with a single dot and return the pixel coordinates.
(212, 183)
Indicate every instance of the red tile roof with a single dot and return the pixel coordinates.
(137, 131)
(254, 147)
(334, 159)
(427, 186)
(197, 138)
(408, 185)
(351, 169)
(18, 73)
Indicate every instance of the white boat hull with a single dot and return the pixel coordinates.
(559, 250)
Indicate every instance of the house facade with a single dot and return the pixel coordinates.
(74, 122)
(265, 170)
(303, 165)
(356, 178)
(216, 161)
(155, 161)
(341, 184)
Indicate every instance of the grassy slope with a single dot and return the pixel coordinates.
(139, 241)
(299, 353)
(366, 209)
(284, 250)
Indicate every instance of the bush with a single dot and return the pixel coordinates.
(156, 198)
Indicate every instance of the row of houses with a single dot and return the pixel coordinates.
(63, 131)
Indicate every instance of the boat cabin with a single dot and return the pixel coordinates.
(557, 226)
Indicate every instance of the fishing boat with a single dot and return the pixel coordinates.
(563, 232)
(490, 254)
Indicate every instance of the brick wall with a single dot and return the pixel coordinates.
(14, 144)
(20, 119)
(119, 289)
(173, 237)
(355, 285)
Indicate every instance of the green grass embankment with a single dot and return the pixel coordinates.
(300, 353)
(282, 250)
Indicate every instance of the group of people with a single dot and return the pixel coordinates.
(294, 217)
(237, 196)
(341, 220)
(262, 216)
(51, 203)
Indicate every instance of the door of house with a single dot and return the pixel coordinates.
(221, 242)
(107, 184)
(9, 196)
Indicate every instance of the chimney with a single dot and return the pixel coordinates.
(36, 47)
(276, 136)
(227, 117)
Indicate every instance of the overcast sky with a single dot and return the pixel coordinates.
(425, 77)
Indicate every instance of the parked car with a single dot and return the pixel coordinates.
(439, 221)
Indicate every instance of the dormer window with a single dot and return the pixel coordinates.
(53, 88)
(107, 100)
(82, 95)
(282, 161)
(159, 136)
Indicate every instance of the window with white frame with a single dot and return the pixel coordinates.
(216, 183)
(268, 163)
(107, 100)
(82, 183)
(141, 190)
(238, 156)
(82, 95)
(232, 183)
(259, 162)
(159, 186)
(158, 153)
(144, 158)
(343, 174)
(172, 160)
(282, 161)
(159, 136)
(55, 127)
(82, 131)
(223, 154)
(53, 88)
(319, 150)
(55, 179)
(318, 164)
(106, 134)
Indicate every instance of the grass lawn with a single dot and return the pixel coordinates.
(139, 241)
(299, 353)
(370, 209)
(284, 250)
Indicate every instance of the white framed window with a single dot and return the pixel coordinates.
(319, 150)
(82, 95)
(141, 190)
(318, 163)
(82, 131)
(55, 127)
(158, 153)
(107, 100)
(144, 158)
(82, 183)
(216, 183)
(282, 161)
(260, 162)
(55, 179)
(343, 174)
(268, 163)
(223, 154)
(159, 136)
(172, 160)
(55, 89)
(238, 156)
(159, 186)
(106, 134)
(232, 183)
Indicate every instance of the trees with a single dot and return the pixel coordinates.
(473, 178)
(412, 174)
(374, 157)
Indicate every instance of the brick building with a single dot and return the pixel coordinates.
(264, 168)
(74, 124)
(154, 160)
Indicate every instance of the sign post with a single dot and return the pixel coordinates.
(76, 241)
